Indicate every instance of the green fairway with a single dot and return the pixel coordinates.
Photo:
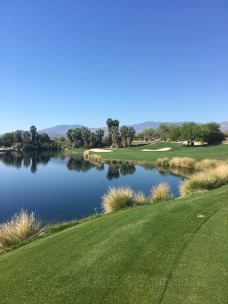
(170, 252)
(135, 154)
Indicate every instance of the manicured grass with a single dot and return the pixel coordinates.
(135, 154)
(169, 252)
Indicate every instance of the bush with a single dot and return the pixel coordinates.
(140, 199)
(182, 162)
(163, 162)
(118, 198)
(20, 227)
(206, 164)
(93, 157)
(161, 192)
(205, 180)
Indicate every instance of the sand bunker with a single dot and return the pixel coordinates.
(157, 150)
(100, 150)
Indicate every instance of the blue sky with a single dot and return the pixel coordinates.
(82, 61)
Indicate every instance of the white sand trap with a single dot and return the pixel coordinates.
(157, 150)
(100, 150)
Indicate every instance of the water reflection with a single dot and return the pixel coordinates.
(78, 164)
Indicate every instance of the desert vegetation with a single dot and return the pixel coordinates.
(188, 132)
(206, 180)
(18, 228)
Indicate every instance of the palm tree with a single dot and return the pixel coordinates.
(99, 136)
(115, 137)
(130, 135)
(33, 133)
(86, 136)
(124, 135)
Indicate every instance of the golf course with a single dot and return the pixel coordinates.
(136, 154)
(170, 252)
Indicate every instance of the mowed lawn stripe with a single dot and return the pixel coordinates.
(125, 257)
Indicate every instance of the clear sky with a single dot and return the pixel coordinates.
(81, 61)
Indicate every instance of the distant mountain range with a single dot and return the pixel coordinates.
(61, 130)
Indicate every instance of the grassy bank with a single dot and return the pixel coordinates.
(136, 155)
(171, 252)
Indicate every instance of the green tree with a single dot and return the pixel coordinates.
(85, 133)
(99, 136)
(130, 135)
(110, 124)
(18, 137)
(211, 133)
(124, 136)
(33, 131)
(7, 139)
(190, 132)
(163, 131)
(115, 137)
(44, 138)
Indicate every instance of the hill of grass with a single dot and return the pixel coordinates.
(135, 153)
(170, 252)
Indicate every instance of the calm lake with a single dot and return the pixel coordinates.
(60, 188)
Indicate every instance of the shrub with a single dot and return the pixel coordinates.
(161, 192)
(118, 198)
(182, 162)
(162, 162)
(140, 199)
(205, 180)
(18, 228)
(93, 157)
(86, 154)
(206, 164)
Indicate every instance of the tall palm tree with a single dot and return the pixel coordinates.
(115, 137)
(124, 135)
(33, 133)
(99, 136)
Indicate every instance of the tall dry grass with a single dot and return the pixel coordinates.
(140, 199)
(162, 162)
(18, 228)
(118, 198)
(206, 164)
(182, 162)
(161, 192)
(205, 180)
(94, 158)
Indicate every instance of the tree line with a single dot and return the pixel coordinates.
(117, 136)
(189, 132)
(28, 140)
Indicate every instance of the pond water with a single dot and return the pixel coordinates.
(60, 188)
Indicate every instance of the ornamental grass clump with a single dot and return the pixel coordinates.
(118, 198)
(140, 199)
(162, 162)
(205, 180)
(94, 158)
(182, 162)
(206, 164)
(18, 228)
(160, 193)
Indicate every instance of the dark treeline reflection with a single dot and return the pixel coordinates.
(114, 171)
(28, 160)
(32, 160)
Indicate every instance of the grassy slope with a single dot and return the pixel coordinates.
(163, 253)
(136, 154)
